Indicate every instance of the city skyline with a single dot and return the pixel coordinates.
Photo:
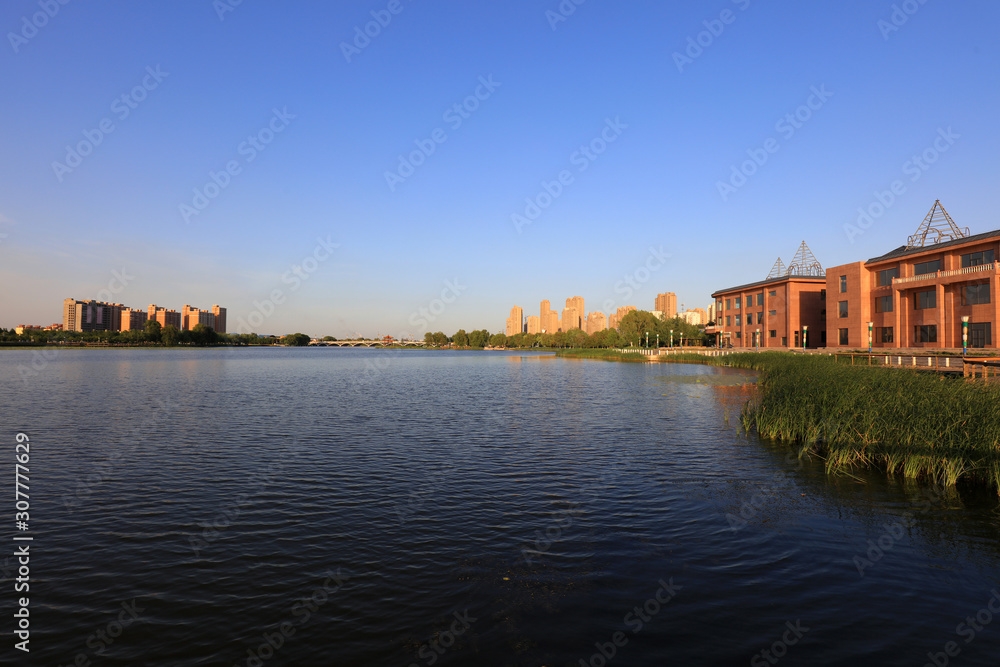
(340, 177)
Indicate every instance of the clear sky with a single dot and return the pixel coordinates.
(197, 152)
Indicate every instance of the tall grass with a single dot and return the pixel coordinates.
(916, 423)
(601, 353)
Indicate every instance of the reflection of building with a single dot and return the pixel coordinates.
(917, 294)
(666, 303)
(775, 311)
(515, 323)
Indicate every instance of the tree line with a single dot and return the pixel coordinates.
(154, 334)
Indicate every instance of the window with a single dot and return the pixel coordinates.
(843, 336)
(883, 304)
(822, 295)
(883, 334)
(738, 299)
(975, 294)
(979, 334)
(843, 284)
(925, 333)
(729, 304)
(927, 267)
(729, 320)
(842, 309)
(749, 318)
(760, 299)
(772, 293)
(772, 333)
(772, 313)
(977, 258)
(739, 334)
(885, 277)
(760, 317)
(925, 299)
(784, 341)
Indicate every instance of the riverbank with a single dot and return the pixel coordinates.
(918, 425)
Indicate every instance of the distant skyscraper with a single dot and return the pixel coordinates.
(666, 303)
(549, 318)
(596, 321)
(91, 315)
(570, 318)
(534, 324)
(220, 319)
(616, 317)
(576, 302)
(515, 323)
(166, 318)
(133, 320)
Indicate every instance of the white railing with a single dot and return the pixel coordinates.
(943, 274)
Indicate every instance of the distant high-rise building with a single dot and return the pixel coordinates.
(220, 319)
(91, 315)
(616, 317)
(576, 302)
(515, 323)
(570, 319)
(192, 317)
(549, 318)
(534, 324)
(134, 320)
(666, 303)
(596, 321)
(166, 318)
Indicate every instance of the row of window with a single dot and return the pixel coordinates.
(885, 276)
(971, 295)
(980, 334)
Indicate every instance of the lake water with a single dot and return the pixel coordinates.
(364, 507)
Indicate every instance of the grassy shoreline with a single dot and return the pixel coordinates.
(916, 424)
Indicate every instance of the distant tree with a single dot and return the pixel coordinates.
(440, 338)
(153, 331)
(170, 335)
(460, 339)
(479, 338)
(428, 338)
(329, 338)
(498, 340)
(296, 340)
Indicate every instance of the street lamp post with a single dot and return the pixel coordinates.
(647, 339)
(657, 340)
(870, 325)
(757, 340)
(805, 331)
(965, 334)
(671, 338)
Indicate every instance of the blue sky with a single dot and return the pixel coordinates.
(312, 235)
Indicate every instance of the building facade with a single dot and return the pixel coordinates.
(666, 303)
(918, 295)
(515, 323)
(781, 312)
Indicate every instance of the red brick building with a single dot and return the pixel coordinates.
(778, 312)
